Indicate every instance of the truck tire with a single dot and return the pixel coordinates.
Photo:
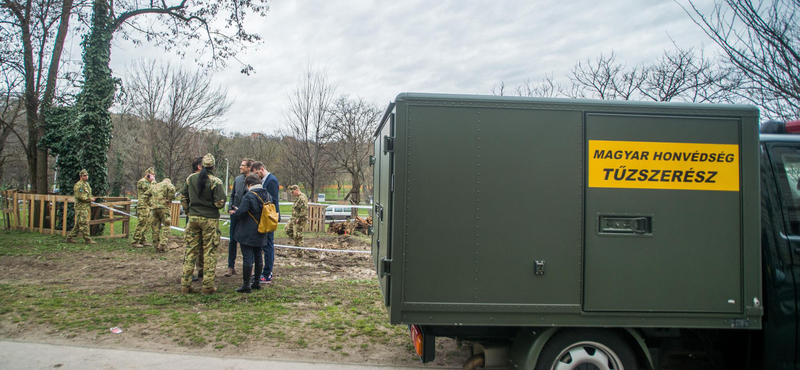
(589, 349)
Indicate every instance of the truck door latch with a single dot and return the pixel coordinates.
(388, 144)
(386, 267)
(539, 269)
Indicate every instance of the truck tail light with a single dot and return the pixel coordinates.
(416, 339)
(793, 127)
(424, 343)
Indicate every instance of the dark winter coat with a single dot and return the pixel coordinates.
(238, 192)
(246, 227)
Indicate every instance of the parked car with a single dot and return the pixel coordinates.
(338, 213)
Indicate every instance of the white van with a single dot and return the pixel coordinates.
(338, 213)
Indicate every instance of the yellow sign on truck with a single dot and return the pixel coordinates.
(655, 165)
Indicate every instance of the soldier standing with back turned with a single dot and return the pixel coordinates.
(204, 195)
(143, 209)
(294, 228)
(161, 196)
(83, 201)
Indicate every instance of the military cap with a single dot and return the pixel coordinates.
(208, 160)
(84, 173)
(294, 187)
(150, 171)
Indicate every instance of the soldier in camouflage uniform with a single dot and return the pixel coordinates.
(297, 223)
(83, 200)
(143, 210)
(203, 197)
(197, 166)
(161, 196)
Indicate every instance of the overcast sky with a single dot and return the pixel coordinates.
(377, 49)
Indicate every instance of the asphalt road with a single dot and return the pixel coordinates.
(35, 356)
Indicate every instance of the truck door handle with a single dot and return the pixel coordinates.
(636, 225)
(796, 250)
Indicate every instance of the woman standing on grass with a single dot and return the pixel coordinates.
(250, 240)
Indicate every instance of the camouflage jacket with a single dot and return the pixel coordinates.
(83, 195)
(205, 202)
(161, 195)
(142, 186)
(300, 208)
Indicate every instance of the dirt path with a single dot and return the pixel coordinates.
(299, 329)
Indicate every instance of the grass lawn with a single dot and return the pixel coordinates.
(315, 303)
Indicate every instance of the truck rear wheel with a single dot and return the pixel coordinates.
(572, 349)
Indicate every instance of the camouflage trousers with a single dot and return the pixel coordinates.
(81, 227)
(295, 231)
(202, 237)
(145, 223)
(162, 221)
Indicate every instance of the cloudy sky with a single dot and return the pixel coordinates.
(377, 49)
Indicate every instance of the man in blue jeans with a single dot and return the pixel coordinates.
(238, 192)
(270, 182)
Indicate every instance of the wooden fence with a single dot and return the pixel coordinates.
(37, 212)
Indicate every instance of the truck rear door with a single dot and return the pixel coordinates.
(663, 214)
(383, 175)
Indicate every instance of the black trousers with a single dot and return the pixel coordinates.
(252, 256)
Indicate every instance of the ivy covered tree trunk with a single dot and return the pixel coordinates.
(81, 135)
(93, 119)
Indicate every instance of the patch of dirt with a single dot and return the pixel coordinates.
(104, 272)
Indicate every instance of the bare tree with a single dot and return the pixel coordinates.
(605, 79)
(761, 39)
(33, 35)
(688, 75)
(130, 145)
(678, 75)
(352, 123)
(176, 105)
(546, 88)
(499, 90)
(307, 129)
(11, 114)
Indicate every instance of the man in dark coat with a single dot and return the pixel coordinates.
(248, 216)
(238, 192)
(269, 182)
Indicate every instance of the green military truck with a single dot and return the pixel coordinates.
(577, 234)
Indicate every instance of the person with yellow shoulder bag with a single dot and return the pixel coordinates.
(248, 222)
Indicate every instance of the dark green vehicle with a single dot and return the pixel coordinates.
(574, 234)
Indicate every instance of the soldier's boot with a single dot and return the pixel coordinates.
(186, 289)
(90, 241)
(146, 244)
(207, 291)
(246, 271)
(69, 240)
(136, 245)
